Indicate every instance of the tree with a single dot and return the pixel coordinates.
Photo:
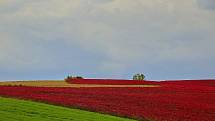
(138, 77)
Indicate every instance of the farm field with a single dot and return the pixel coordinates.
(170, 101)
(62, 83)
(20, 110)
(111, 82)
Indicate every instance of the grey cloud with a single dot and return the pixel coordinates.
(206, 4)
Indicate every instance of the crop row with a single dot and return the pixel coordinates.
(172, 101)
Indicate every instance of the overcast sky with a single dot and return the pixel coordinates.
(164, 39)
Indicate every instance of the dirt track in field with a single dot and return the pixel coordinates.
(61, 83)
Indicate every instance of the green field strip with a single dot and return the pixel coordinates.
(20, 110)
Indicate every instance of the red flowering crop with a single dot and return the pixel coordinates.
(172, 101)
(110, 81)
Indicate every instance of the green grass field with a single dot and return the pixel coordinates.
(20, 110)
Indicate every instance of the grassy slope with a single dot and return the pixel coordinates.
(20, 110)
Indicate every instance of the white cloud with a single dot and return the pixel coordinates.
(124, 31)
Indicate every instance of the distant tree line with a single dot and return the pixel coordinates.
(74, 77)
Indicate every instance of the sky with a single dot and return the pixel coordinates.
(163, 39)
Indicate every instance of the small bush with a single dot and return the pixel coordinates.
(74, 77)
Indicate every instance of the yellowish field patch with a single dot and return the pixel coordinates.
(61, 83)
